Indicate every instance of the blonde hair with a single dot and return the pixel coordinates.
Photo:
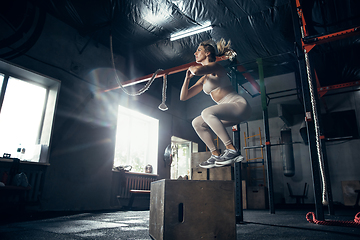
(220, 48)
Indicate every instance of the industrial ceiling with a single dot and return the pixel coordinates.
(141, 31)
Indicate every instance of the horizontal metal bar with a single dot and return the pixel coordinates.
(287, 90)
(251, 147)
(342, 92)
(262, 162)
(287, 95)
(275, 144)
(181, 68)
(332, 36)
(338, 86)
(251, 159)
(310, 42)
(161, 74)
(253, 136)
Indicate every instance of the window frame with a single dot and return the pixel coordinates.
(52, 87)
(154, 150)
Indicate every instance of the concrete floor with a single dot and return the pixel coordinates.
(133, 225)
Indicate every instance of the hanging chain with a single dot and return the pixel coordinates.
(162, 106)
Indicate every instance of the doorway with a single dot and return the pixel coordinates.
(181, 162)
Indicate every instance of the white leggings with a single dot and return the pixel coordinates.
(230, 110)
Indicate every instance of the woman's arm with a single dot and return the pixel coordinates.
(212, 68)
(187, 92)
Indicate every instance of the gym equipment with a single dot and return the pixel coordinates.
(188, 209)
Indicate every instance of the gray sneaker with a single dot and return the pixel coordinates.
(228, 157)
(210, 163)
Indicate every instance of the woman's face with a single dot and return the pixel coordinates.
(200, 54)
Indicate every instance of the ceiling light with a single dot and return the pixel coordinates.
(191, 31)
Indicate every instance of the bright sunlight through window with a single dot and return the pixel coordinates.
(136, 140)
(21, 119)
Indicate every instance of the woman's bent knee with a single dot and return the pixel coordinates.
(206, 114)
(198, 122)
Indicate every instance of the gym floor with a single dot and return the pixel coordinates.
(131, 225)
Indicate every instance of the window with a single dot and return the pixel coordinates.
(20, 119)
(136, 140)
(27, 103)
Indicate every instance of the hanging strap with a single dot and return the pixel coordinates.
(162, 106)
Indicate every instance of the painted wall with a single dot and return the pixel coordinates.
(343, 155)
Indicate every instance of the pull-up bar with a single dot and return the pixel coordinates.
(184, 68)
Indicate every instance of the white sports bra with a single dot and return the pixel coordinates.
(211, 84)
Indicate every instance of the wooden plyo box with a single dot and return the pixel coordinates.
(199, 173)
(221, 173)
(199, 157)
(188, 209)
(256, 197)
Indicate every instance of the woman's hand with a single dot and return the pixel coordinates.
(193, 69)
(189, 74)
(212, 68)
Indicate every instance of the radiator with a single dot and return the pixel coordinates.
(34, 173)
(35, 181)
(136, 181)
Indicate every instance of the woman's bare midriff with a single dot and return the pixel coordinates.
(218, 94)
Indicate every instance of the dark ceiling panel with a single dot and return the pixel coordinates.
(330, 16)
(250, 7)
(256, 28)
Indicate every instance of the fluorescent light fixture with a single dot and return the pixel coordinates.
(206, 27)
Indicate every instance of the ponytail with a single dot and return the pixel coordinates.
(220, 48)
(225, 49)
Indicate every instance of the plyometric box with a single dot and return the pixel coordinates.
(199, 173)
(217, 173)
(221, 173)
(199, 157)
(257, 197)
(192, 210)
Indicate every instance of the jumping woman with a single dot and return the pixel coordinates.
(231, 108)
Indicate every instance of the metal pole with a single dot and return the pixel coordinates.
(267, 137)
(237, 166)
(237, 176)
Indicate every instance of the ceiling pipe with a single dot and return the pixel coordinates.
(180, 69)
